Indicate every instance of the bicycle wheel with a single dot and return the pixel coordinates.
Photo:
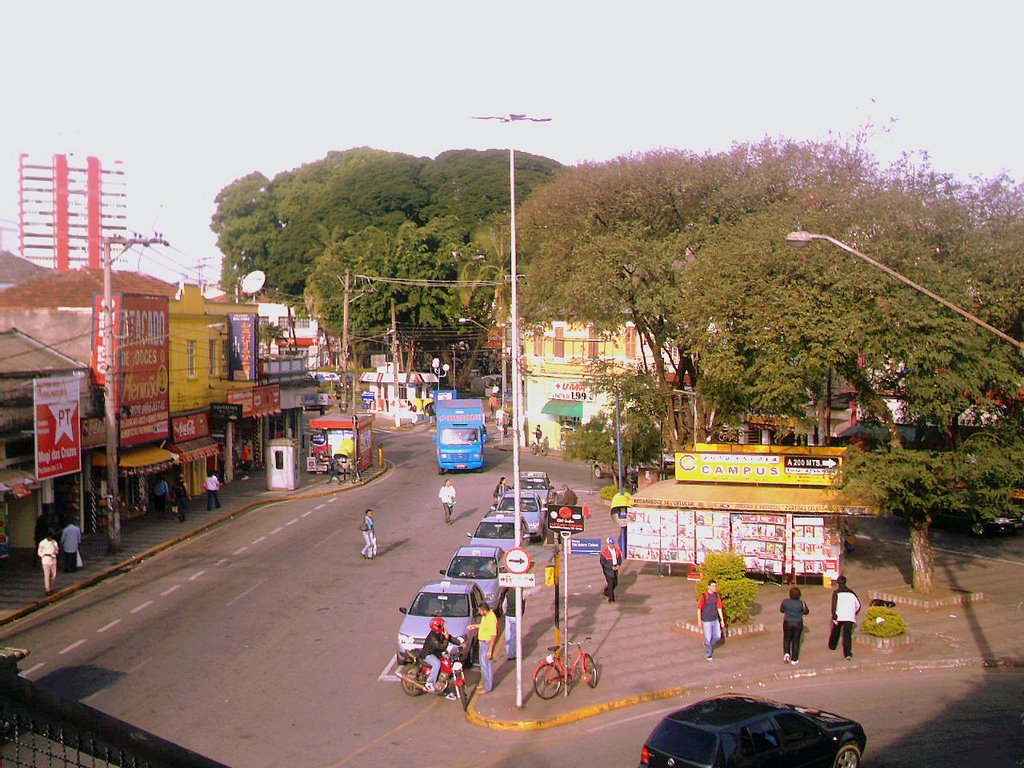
(591, 673)
(547, 680)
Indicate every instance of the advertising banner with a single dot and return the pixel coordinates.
(144, 359)
(58, 427)
(243, 347)
(191, 427)
(757, 467)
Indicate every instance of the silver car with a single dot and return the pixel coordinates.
(530, 507)
(536, 482)
(457, 603)
(498, 531)
(480, 566)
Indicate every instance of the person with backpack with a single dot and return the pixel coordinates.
(711, 618)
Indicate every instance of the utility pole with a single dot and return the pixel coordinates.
(394, 361)
(344, 342)
(111, 376)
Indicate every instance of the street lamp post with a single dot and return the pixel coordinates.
(517, 382)
(800, 237)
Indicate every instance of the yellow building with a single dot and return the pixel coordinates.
(557, 395)
(199, 378)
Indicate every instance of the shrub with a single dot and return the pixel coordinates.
(883, 622)
(737, 591)
(608, 491)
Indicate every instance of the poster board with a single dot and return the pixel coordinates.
(761, 540)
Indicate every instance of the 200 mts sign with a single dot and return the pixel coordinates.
(517, 560)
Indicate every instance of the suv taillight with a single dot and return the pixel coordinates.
(645, 756)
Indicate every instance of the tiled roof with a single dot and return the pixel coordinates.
(76, 288)
(14, 269)
(20, 353)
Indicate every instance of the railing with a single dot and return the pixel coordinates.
(37, 728)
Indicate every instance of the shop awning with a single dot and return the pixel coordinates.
(17, 482)
(566, 408)
(146, 460)
(750, 498)
(194, 450)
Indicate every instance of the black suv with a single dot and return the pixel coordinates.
(734, 730)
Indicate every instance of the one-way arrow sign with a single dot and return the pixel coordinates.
(517, 560)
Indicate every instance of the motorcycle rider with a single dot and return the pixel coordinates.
(437, 642)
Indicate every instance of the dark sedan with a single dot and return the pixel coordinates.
(732, 730)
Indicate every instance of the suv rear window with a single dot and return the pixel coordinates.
(434, 604)
(685, 741)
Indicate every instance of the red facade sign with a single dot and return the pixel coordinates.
(192, 427)
(58, 428)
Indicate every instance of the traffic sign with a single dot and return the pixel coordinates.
(569, 519)
(524, 580)
(517, 560)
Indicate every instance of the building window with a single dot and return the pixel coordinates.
(630, 343)
(559, 345)
(190, 351)
(593, 349)
(538, 345)
(284, 322)
(213, 357)
(301, 322)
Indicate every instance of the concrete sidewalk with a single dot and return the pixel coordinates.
(21, 579)
(644, 653)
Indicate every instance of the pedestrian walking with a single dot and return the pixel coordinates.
(160, 493)
(711, 618)
(793, 610)
(212, 486)
(48, 552)
(447, 496)
(181, 500)
(845, 607)
(333, 470)
(70, 541)
(246, 459)
(499, 490)
(537, 434)
(369, 531)
(611, 561)
(487, 633)
(507, 605)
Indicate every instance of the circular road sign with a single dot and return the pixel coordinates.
(517, 560)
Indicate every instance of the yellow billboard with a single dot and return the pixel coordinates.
(759, 464)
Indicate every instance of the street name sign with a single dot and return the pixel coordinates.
(524, 580)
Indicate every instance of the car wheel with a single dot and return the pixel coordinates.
(848, 756)
(978, 529)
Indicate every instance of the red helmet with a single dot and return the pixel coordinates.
(437, 624)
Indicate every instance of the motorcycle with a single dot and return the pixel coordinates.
(451, 675)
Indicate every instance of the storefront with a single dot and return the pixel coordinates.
(19, 508)
(138, 469)
(195, 449)
(773, 505)
(559, 405)
(245, 438)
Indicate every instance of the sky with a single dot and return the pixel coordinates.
(193, 95)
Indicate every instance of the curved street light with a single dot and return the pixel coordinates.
(799, 237)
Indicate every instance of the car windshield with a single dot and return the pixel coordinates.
(473, 567)
(526, 504)
(434, 604)
(683, 741)
(488, 530)
(459, 436)
(535, 484)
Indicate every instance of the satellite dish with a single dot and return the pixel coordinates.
(252, 282)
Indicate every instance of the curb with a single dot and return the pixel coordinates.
(573, 716)
(126, 564)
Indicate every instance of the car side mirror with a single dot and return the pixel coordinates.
(403, 610)
(470, 535)
(441, 572)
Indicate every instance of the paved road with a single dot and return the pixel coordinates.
(263, 641)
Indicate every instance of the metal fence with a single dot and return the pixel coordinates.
(37, 728)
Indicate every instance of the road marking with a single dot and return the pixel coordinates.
(310, 512)
(196, 575)
(239, 551)
(223, 560)
(320, 506)
(261, 538)
(168, 591)
(138, 666)
(292, 521)
(138, 608)
(111, 625)
(386, 675)
(390, 734)
(30, 670)
(277, 530)
(72, 646)
(250, 589)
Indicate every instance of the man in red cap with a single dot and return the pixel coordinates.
(611, 560)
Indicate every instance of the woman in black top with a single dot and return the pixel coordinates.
(793, 609)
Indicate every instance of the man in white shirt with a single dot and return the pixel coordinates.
(212, 486)
(845, 607)
(48, 551)
(447, 496)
